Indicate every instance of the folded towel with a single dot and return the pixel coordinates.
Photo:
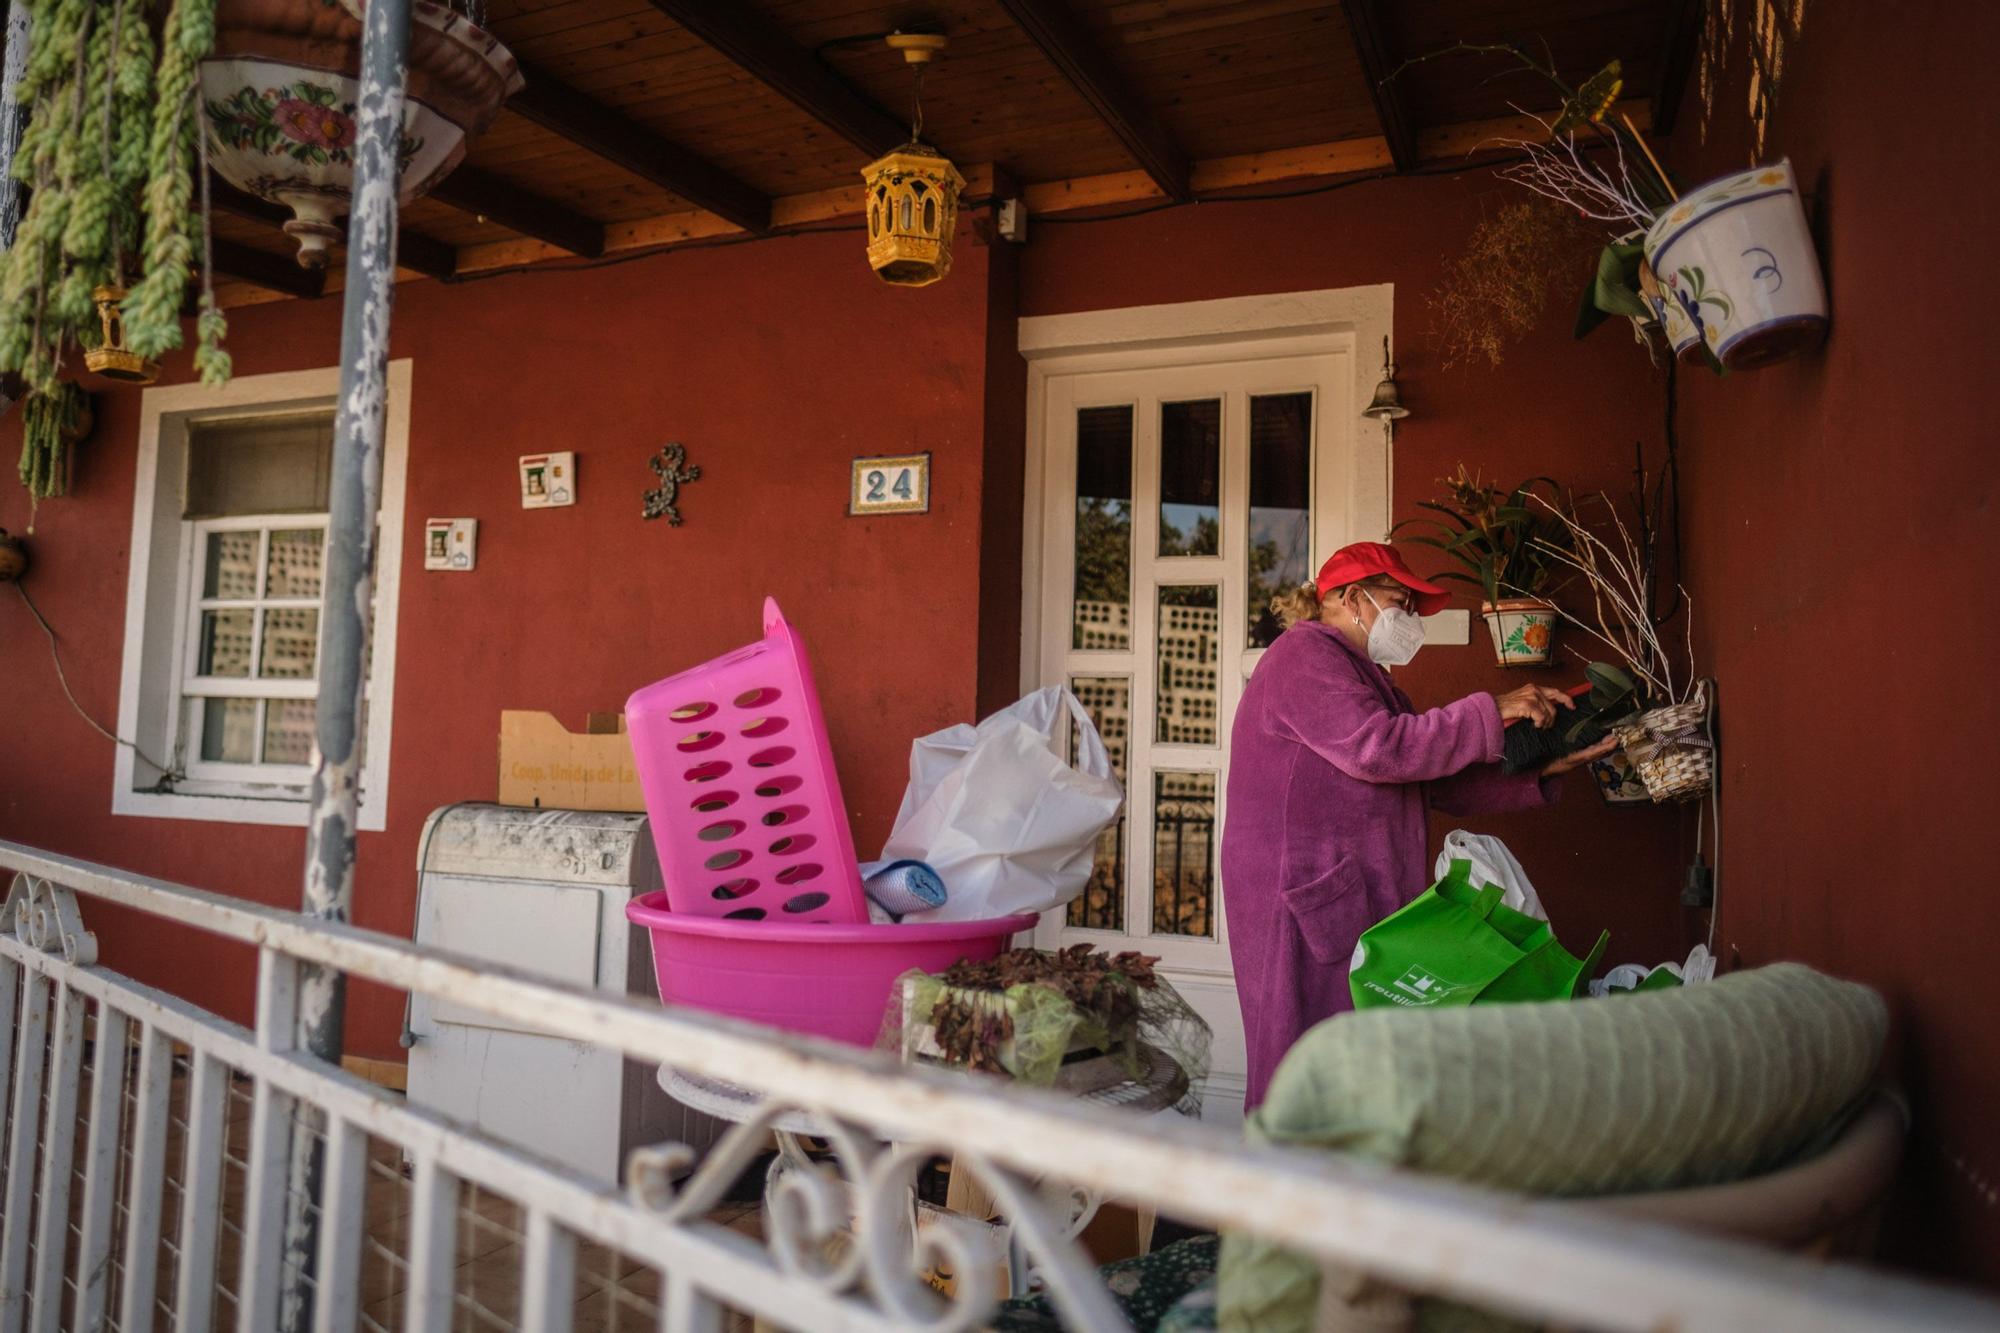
(899, 887)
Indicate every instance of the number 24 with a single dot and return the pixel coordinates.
(902, 490)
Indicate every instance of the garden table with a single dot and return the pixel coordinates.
(1102, 1081)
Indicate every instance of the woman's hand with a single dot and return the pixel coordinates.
(1536, 703)
(1578, 758)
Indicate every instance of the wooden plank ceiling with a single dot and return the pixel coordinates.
(645, 122)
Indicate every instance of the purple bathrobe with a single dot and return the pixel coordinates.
(1330, 774)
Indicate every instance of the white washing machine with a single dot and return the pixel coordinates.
(543, 891)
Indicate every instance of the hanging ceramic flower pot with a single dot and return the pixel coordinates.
(1738, 271)
(13, 557)
(278, 99)
(1523, 629)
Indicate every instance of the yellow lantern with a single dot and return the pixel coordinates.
(912, 193)
(111, 358)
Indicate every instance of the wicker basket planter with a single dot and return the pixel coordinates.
(1670, 748)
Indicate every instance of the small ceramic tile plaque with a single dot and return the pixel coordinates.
(548, 480)
(899, 485)
(451, 543)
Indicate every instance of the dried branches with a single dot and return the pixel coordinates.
(1620, 582)
(1560, 170)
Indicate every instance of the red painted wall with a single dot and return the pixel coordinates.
(774, 363)
(1841, 543)
(1553, 406)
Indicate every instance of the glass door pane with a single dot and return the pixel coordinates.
(1184, 854)
(1185, 704)
(1191, 477)
(1280, 505)
(1101, 617)
(1101, 905)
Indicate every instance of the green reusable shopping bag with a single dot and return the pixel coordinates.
(1456, 944)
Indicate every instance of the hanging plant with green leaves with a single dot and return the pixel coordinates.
(108, 152)
(50, 423)
(152, 309)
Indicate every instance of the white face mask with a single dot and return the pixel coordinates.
(1395, 636)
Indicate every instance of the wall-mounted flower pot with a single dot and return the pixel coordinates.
(1523, 629)
(13, 557)
(1738, 270)
(1618, 782)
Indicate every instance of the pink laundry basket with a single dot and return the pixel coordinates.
(741, 790)
(823, 980)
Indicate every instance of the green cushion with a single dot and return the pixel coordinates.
(1662, 1090)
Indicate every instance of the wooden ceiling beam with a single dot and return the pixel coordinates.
(470, 190)
(792, 72)
(1354, 159)
(414, 250)
(1054, 28)
(1680, 39)
(624, 142)
(276, 273)
(1378, 63)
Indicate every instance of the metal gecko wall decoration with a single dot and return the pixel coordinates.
(670, 465)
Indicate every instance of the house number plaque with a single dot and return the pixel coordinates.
(899, 485)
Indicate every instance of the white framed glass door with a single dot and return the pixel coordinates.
(1176, 500)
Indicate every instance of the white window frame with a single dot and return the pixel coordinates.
(166, 561)
(194, 685)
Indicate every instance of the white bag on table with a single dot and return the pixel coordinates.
(1004, 819)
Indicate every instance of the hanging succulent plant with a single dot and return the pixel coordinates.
(108, 152)
(50, 423)
(88, 87)
(152, 308)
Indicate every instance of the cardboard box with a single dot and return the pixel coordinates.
(542, 763)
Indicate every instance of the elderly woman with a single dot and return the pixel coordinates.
(1331, 773)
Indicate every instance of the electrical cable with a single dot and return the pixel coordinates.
(1715, 804)
(55, 655)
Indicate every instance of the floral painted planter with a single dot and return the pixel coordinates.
(1738, 271)
(278, 96)
(1618, 781)
(1523, 629)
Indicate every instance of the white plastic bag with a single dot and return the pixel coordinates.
(1492, 863)
(1699, 967)
(1000, 815)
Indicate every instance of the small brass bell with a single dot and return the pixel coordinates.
(1387, 404)
(111, 358)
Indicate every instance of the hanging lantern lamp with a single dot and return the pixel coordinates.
(913, 191)
(112, 358)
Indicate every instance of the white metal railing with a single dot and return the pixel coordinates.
(154, 1191)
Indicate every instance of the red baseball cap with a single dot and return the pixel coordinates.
(1366, 560)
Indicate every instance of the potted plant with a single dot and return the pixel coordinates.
(1507, 543)
(1729, 269)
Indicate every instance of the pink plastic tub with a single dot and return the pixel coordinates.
(741, 790)
(825, 980)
